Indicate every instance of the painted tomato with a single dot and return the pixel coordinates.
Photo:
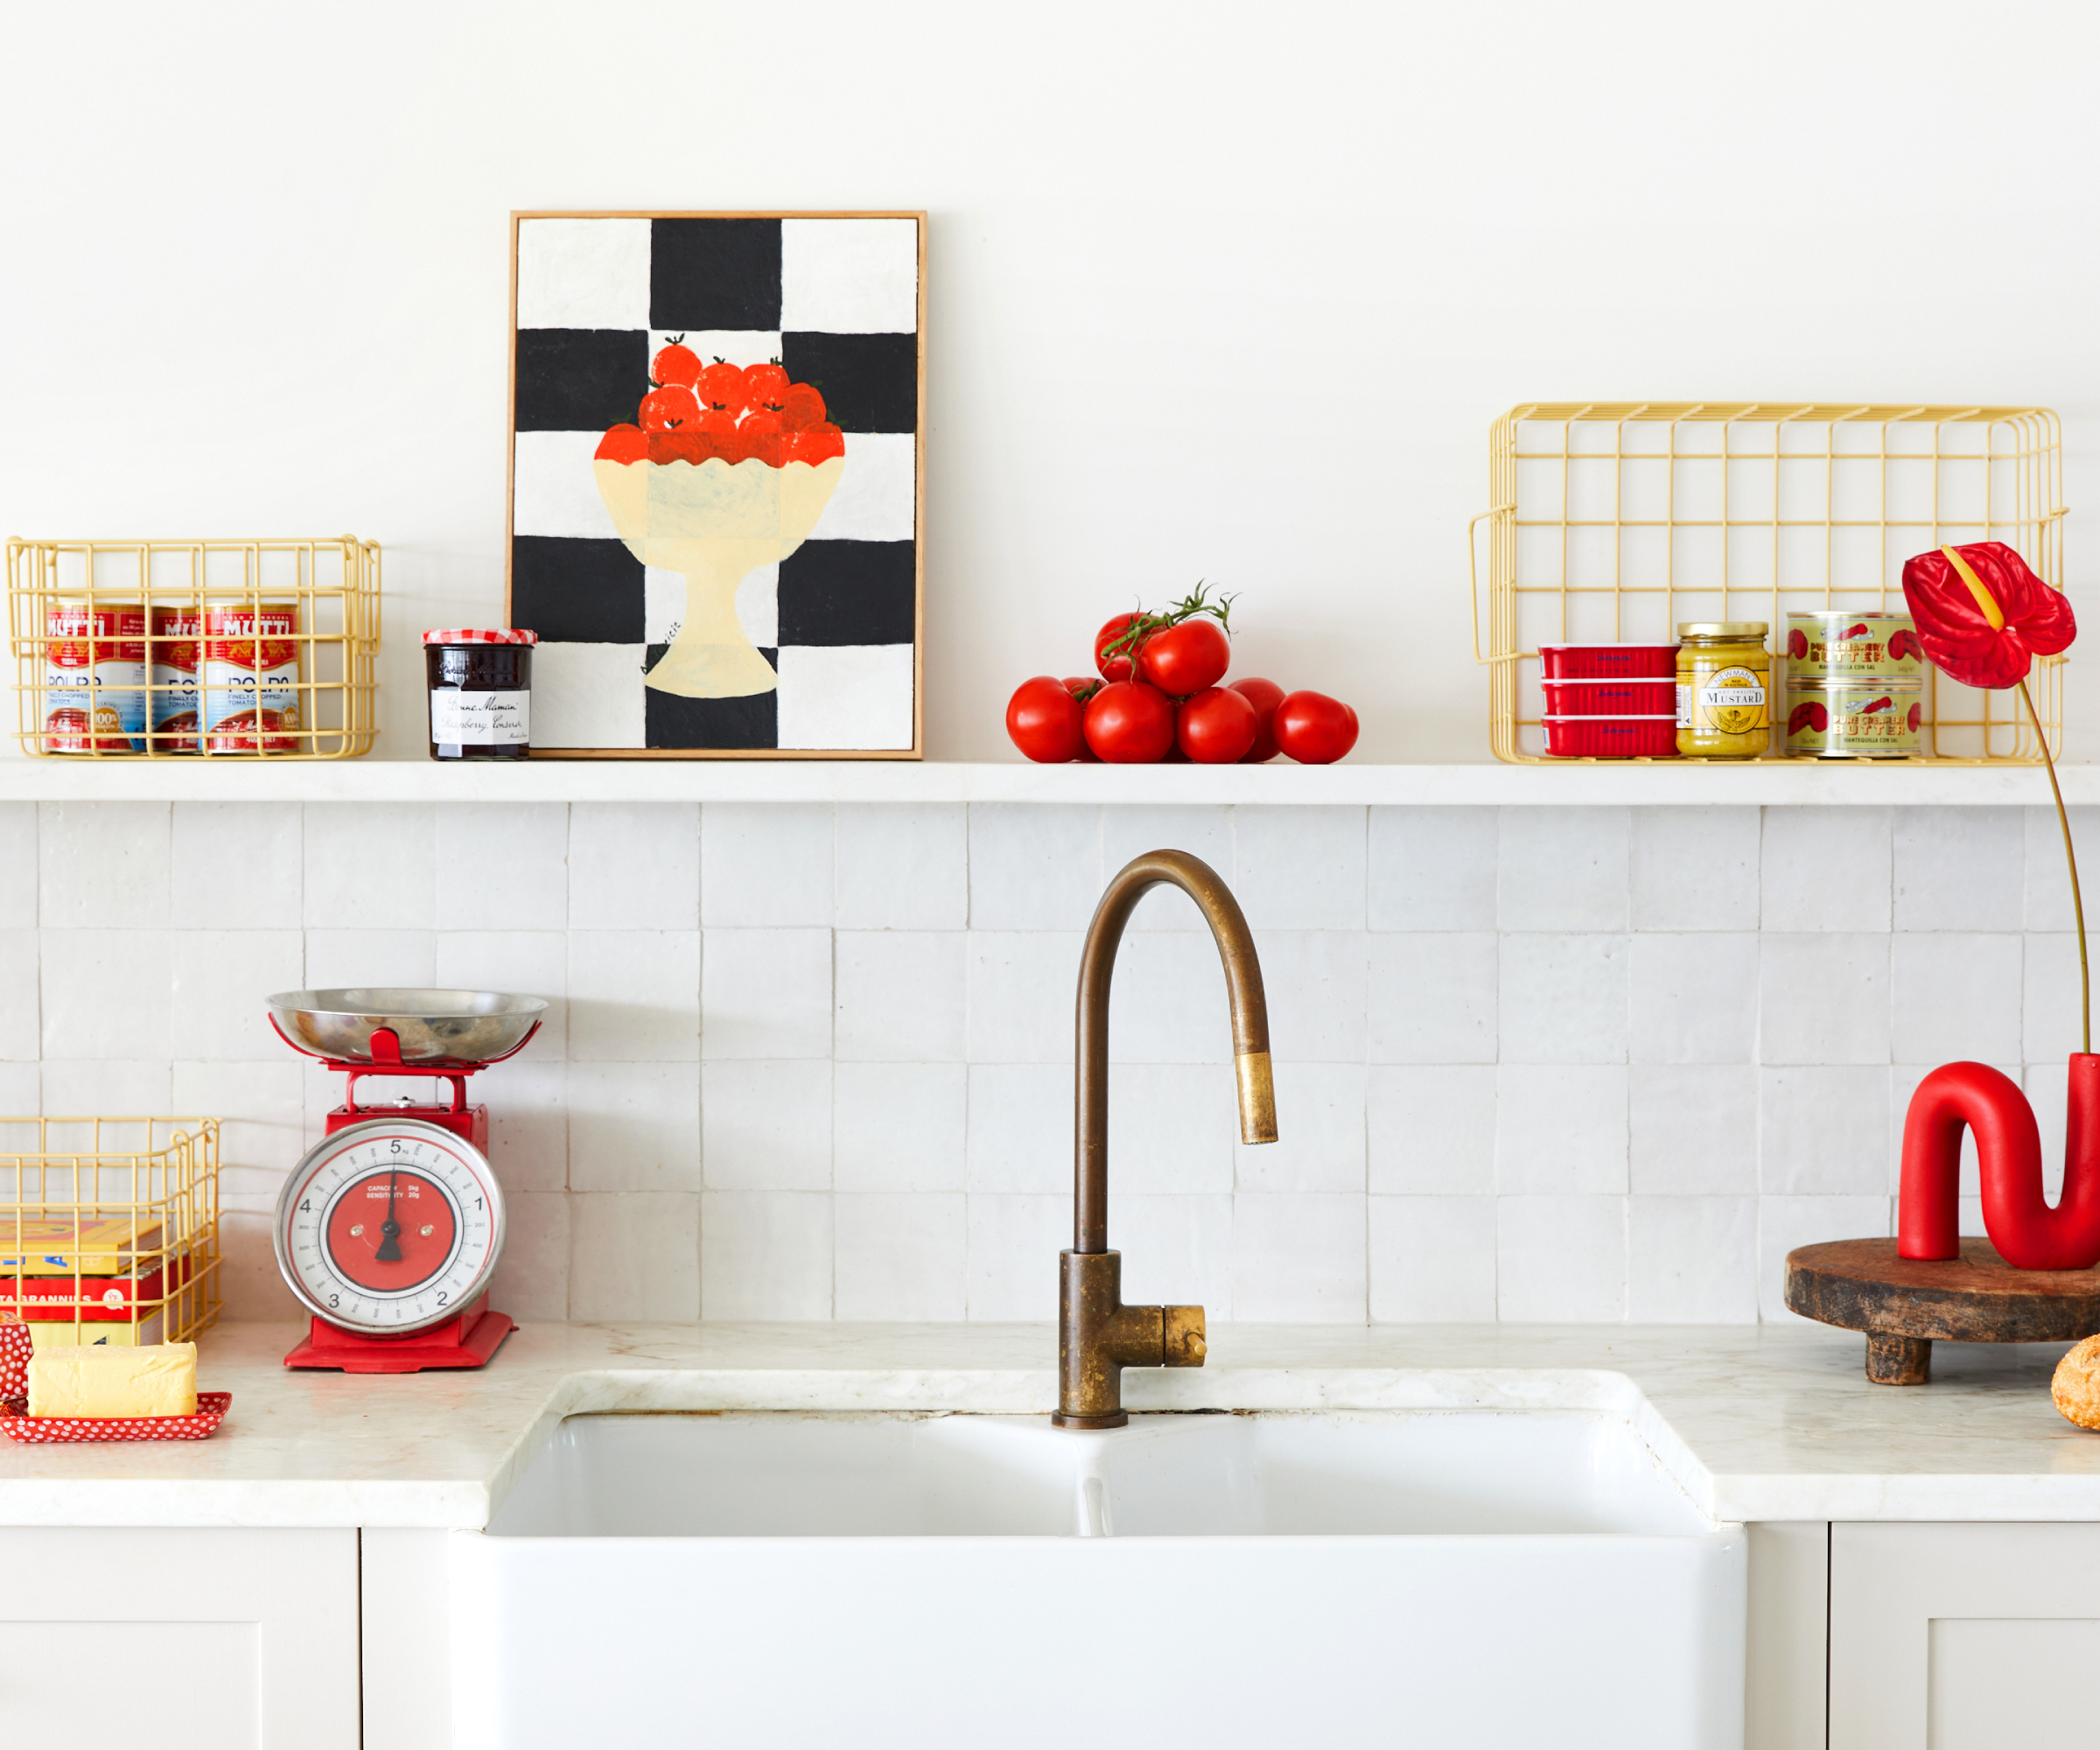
(813, 444)
(801, 406)
(1314, 729)
(678, 446)
(1217, 727)
(669, 408)
(722, 386)
(759, 436)
(766, 386)
(623, 444)
(1043, 720)
(1122, 666)
(1265, 697)
(1186, 659)
(676, 365)
(1130, 724)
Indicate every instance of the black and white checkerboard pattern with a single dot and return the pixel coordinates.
(837, 301)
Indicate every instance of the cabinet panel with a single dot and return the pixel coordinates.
(407, 1603)
(237, 1637)
(1961, 1637)
(1788, 1652)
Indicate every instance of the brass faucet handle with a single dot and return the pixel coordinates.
(1184, 1345)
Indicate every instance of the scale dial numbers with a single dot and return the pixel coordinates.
(389, 1227)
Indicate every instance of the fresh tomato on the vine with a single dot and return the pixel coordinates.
(1122, 666)
(1265, 697)
(1130, 724)
(1185, 659)
(1314, 729)
(1216, 727)
(1043, 719)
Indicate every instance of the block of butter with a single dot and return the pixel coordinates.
(157, 1380)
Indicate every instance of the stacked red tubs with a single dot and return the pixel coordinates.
(1611, 701)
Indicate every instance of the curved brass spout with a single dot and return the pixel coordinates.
(1098, 1336)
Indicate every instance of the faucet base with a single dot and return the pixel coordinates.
(1120, 1419)
(1098, 1336)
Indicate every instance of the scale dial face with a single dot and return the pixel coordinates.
(389, 1226)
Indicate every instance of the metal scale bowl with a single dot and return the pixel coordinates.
(390, 1229)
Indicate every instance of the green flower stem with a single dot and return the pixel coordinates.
(2085, 980)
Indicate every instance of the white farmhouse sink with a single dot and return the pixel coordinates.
(1455, 1578)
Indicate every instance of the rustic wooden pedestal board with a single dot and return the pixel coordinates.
(1906, 1305)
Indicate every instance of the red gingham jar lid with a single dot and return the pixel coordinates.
(465, 636)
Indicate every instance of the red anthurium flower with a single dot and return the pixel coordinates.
(1982, 615)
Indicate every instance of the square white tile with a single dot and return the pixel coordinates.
(634, 995)
(1823, 998)
(765, 993)
(1433, 998)
(1696, 868)
(1177, 1251)
(766, 1126)
(1825, 1130)
(902, 996)
(1020, 1130)
(220, 978)
(1034, 868)
(1563, 998)
(370, 866)
(1433, 868)
(20, 1015)
(902, 865)
(1203, 832)
(1299, 1258)
(1300, 868)
(1430, 1127)
(633, 1127)
(1960, 868)
(765, 864)
(1433, 1260)
(18, 876)
(1786, 1222)
(529, 1123)
(633, 865)
(1319, 1121)
(899, 1255)
(1953, 996)
(1693, 997)
(103, 865)
(634, 1256)
(765, 1255)
(1564, 868)
(900, 1126)
(1021, 993)
(1560, 1128)
(337, 960)
(1168, 1002)
(1560, 1260)
(532, 1281)
(1691, 1261)
(503, 866)
(1317, 985)
(80, 970)
(235, 866)
(2047, 876)
(520, 962)
(1171, 1127)
(1826, 868)
(108, 1087)
(1014, 1240)
(1691, 1128)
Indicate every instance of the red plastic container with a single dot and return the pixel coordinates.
(1612, 738)
(1609, 662)
(1611, 698)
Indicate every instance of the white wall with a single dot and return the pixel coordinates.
(804, 1062)
(1223, 290)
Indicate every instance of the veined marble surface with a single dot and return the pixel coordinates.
(1753, 1422)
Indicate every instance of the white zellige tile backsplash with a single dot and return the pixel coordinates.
(812, 1062)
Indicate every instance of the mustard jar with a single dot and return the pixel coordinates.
(1724, 689)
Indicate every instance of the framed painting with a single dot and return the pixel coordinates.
(716, 482)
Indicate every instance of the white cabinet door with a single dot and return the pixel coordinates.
(1788, 1666)
(188, 1640)
(1963, 1637)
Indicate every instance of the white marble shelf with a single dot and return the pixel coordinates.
(1753, 1422)
(1767, 782)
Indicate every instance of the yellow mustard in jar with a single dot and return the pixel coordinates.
(1724, 689)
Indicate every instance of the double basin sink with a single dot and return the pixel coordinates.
(1474, 1577)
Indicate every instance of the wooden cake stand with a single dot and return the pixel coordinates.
(1906, 1305)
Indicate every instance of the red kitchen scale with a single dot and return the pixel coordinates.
(390, 1227)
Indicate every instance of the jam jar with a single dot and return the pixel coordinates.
(1724, 689)
(481, 693)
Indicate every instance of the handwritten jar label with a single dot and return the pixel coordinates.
(479, 719)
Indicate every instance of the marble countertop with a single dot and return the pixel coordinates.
(1755, 1423)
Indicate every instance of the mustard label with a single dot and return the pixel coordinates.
(1731, 700)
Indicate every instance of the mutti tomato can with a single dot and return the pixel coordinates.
(1830, 646)
(175, 704)
(250, 662)
(94, 679)
(1854, 719)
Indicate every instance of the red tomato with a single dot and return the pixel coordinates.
(1217, 727)
(813, 444)
(1314, 729)
(1130, 724)
(677, 365)
(801, 406)
(722, 387)
(1185, 659)
(764, 385)
(759, 434)
(1265, 697)
(1122, 666)
(667, 409)
(1082, 686)
(1043, 720)
(623, 444)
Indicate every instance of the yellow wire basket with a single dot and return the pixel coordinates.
(1614, 520)
(170, 649)
(109, 1229)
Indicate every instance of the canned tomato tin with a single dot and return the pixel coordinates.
(1839, 644)
(1866, 718)
(174, 703)
(94, 679)
(251, 678)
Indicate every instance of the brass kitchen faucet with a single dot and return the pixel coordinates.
(1097, 1335)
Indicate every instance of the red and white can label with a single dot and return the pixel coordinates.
(94, 679)
(251, 679)
(177, 701)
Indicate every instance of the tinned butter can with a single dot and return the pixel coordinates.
(1855, 719)
(1831, 644)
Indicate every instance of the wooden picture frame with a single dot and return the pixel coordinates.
(637, 661)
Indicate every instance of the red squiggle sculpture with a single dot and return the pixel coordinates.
(2028, 1234)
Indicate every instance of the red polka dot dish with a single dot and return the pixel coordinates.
(20, 1425)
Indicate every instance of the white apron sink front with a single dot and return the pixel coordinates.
(1441, 1578)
